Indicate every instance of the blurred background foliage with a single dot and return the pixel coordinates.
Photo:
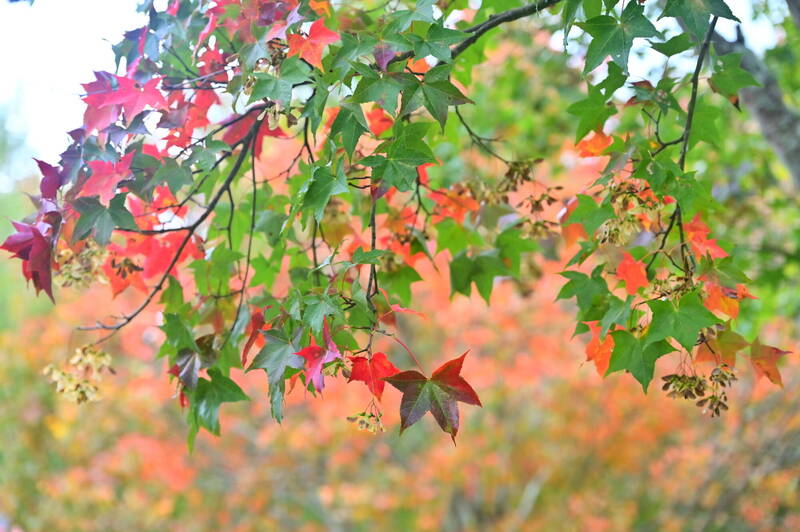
(554, 448)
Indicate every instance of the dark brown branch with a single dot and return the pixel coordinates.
(695, 83)
(492, 22)
(253, 211)
(676, 219)
(501, 18)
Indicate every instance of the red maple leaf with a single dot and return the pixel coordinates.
(316, 357)
(633, 272)
(310, 48)
(105, 178)
(51, 180)
(98, 117)
(371, 371)
(32, 243)
(131, 95)
(437, 395)
(378, 120)
(122, 272)
(254, 333)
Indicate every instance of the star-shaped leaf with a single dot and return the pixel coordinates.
(317, 356)
(437, 395)
(615, 37)
(276, 357)
(695, 13)
(765, 359)
(372, 371)
(683, 323)
(636, 356)
(633, 272)
(310, 48)
(105, 178)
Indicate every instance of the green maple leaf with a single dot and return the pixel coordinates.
(276, 357)
(589, 213)
(323, 185)
(350, 122)
(639, 358)
(592, 112)
(683, 323)
(613, 37)
(729, 78)
(208, 396)
(695, 13)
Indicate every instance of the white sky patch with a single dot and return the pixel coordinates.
(49, 49)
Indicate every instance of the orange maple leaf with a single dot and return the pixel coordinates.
(633, 272)
(723, 299)
(599, 350)
(697, 234)
(719, 300)
(310, 48)
(378, 120)
(572, 232)
(320, 7)
(722, 349)
(764, 359)
(594, 146)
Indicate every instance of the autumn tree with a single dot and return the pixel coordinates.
(271, 174)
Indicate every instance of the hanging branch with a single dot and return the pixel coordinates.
(676, 219)
(125, 320)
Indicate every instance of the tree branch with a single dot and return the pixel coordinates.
(794, 11)
(501, 18)
(492, 22)
(124, 320)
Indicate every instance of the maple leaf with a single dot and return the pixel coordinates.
(316, 357)
(254, 328)
(697, 235)
(723, 299)
(51, 180)
(378, 120)
(310, 48)
(383, 53)
(122, 272)
(372, 371)
(571, 232)
(32, 244)
(105, 178)
(598, 350)
(437, 395)
(718, 300)
(132, 96)
(764, 359)
(98, 117)
(320, 7)
(595, 145)
(633, 272)
(721, 349)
